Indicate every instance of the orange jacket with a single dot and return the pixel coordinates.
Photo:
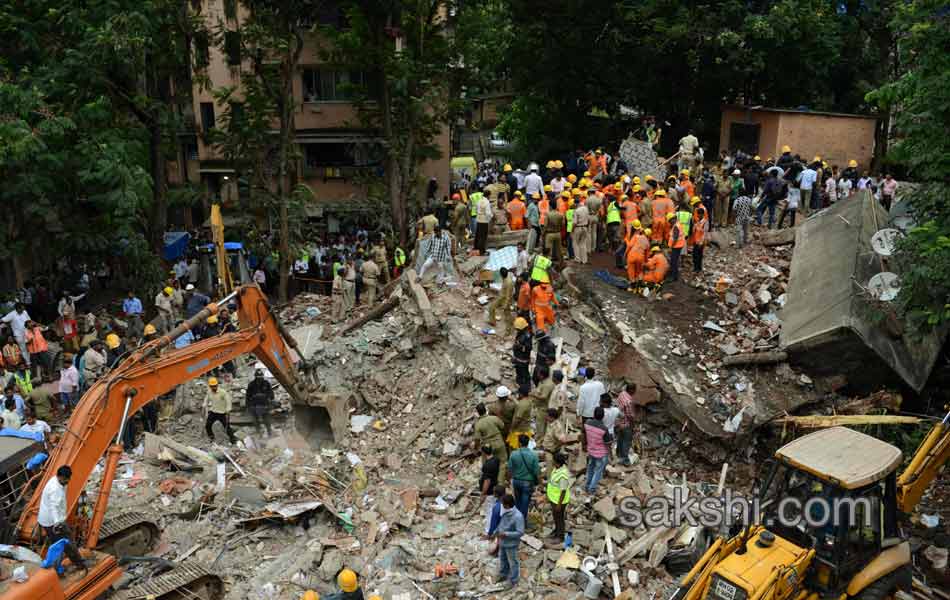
(658, 264)
(661, 207)
(631, 211)
(543, 207)
(638, 247)
(542, 296)
(561, 204)
(677, 237)
(516, 211)
(35, 342)
(524, 296)
(688, 186)
(698, 232)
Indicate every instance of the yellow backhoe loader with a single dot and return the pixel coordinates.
(826, 524)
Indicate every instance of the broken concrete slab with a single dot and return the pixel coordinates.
(605, 508)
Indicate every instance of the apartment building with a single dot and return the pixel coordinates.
(338, 158)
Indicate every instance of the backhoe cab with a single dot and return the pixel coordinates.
(824, 522)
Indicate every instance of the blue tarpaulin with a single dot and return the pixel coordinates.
(176, 244)
(26, 435)
(227, 246)
(611, 279)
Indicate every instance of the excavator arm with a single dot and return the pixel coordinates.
(96, 424)
(930, 457)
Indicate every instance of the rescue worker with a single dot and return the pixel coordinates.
(349, 586)
(149, 333)
(521, 351)
(544, 207)
(524, 295)
(473, 200)
(540, 269)
(163, 304)
(558, 491)
(657, 266)
(503, 301)
(631, 210)
(218, 404)
(490, 431)
(460, 218)
(569, 226)
(370, 278)
(516, 210)
(521, 418)
(349, 286)
(685, 218)
(541, 396)
(541, 298)
(594, 205)
(337, 295)
(258, 397)
(700, 229)
(613, 223)
(662, 206)
(310, 595)
(581, 233)
(676, 242)
(637, 254)
(399, 261)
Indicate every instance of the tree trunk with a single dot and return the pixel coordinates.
(159, 212)
(283, 200)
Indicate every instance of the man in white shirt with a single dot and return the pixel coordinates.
(52, 514)
(181, 270)
(68, 382)
(193, 271)
(17, 319)
(483, 217)
(533, 184)
(34, 425)
(611, 413)
(11, 419)
(806, 183)
(588, 397)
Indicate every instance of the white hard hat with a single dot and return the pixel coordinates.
(189, 287)
(502, 391)
(737, 172)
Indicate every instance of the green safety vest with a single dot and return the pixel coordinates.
(569, 215)
(399, 257)
(554, 493)
(683, 217)
(473, 203)
(540, 270)
(613, 213)
(24, 383)
(336, 267)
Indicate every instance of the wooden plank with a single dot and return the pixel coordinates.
(821, 421)
(755, 358)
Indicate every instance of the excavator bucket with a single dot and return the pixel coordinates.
(324, 417)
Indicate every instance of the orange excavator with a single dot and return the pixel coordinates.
(95, 430)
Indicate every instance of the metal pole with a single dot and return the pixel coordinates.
(125, 414)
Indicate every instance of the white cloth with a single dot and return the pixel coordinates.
(11, 420)
(589, 398)
(17, 323)
(533, 184)
(37, 427)
(52, 504)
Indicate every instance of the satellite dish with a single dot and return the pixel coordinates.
(884, 286)
(884, 241)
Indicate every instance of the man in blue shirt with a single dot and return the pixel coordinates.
(132, 305)
(196, 301)
(509, 532)
(185, 339)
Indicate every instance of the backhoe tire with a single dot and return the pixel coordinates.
(886, 586)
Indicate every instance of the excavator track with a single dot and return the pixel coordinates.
(129, 534)
(185, 582)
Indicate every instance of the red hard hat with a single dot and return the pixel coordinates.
(456, 197)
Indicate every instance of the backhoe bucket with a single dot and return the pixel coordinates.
(324, 419)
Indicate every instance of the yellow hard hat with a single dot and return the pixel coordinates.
(618, 186)
(212, 319)
(586, 173)
(213, 381)
(310, 595)
(636, 180)
(168, 291)
(576, 192)
(824, 165)
(149, 329)
(373, 597)
(535, 195)
(550, 165)
(671, 178)
(660, 192)
(852, 163)
(572, 178)
(647, 231)
(520, 323)
(565, 194)
(694, 201)
(547, 188)
(568, 185)
(670, 216)
(654, 249)
(637, 188)
(636, 224)
(816, 159)
(786, 149)
(519, 194)
(685, 172)
(506, 168)
(570, 203)
(756, 157)
(112, 341)
(650, 178)
(347, 580)
(558, 164)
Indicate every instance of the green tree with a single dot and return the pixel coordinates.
(920, 98)
(271, 40)
(406, 48)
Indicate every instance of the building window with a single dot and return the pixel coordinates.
(207, 116)
(327, 85)
(237, 113)
(331, 14)
(232, 47)
(337, 154)
(202, 49)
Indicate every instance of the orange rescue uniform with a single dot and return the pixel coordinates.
(543, 207)
(656, 268)
(636, 256)
(661, 227)
(698, 234)
(524, 297)
(677, 237)
(631, 211)
(541, 298)
(516, 213)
